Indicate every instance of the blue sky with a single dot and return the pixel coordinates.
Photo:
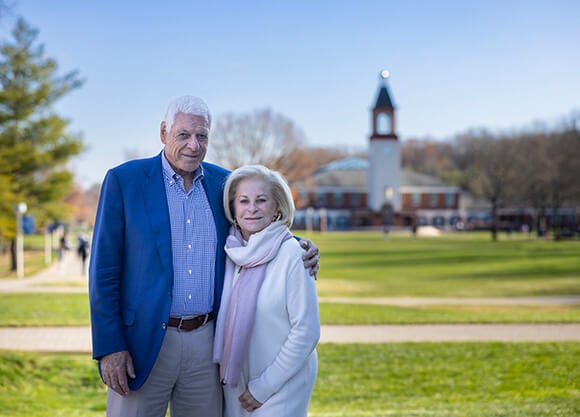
(455, 65)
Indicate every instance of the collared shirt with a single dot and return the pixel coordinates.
(193, 244)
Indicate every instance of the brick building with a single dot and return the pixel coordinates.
(357, 192)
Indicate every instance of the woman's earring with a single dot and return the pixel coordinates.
(277, 217)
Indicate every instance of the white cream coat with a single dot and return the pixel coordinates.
(281, 367)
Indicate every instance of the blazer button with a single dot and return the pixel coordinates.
(164, 325)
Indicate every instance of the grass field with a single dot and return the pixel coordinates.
(52, 309)
(374, 380)
(458, 265)
(410, 379)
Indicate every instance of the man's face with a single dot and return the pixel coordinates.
(186, 142)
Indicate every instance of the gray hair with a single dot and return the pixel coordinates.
(188, 105)
(280, 191)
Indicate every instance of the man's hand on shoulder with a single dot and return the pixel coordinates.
(311, 257)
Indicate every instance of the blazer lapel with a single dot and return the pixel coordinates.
(153, 189)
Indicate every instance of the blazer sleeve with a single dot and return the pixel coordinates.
(105, 271)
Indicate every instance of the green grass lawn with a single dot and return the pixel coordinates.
(355, 380)
(374, 380)
(457, 265)
(53, 309)
(44, 309)
(376, 314)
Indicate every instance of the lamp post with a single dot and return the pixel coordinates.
(20, 209)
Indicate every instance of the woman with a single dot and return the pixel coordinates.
(269, 324)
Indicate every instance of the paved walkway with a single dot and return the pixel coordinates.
(68, 276)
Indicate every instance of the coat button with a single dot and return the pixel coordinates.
(164, 325)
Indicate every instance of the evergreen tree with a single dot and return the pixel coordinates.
(34, 144)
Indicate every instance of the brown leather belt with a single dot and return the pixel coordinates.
(188, 325)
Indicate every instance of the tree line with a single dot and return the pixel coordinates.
(536, 168)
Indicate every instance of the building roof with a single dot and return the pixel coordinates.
(415, 179)
(353, 172)
(348, 172)
(347, 164)
(384, 98)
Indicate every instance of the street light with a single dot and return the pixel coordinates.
(20, 209)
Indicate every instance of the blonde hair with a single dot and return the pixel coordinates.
(280, 191)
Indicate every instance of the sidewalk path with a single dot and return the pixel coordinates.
(67, 276)
(78, 339)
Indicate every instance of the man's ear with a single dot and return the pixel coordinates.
(163, 132)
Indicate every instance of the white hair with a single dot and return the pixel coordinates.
(188, 105)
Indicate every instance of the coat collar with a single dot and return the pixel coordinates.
(153, 191)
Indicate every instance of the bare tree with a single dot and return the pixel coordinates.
(261, 137)
(301, 163)
(531, 187)
(427, 156)
(490, 162)
(564, 168)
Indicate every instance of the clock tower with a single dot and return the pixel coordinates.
(384, 154)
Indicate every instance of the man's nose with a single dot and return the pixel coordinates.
(193, 143)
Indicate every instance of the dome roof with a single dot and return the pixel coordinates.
(347, 164)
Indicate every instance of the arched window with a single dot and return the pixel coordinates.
(383, 124)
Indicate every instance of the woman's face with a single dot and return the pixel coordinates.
(254, 206)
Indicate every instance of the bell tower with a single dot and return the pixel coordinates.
(384, 153)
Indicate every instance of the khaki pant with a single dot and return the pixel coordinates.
(183, 376)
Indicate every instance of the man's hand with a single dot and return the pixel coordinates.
(115, 367)
(311, 257)
(248, 402)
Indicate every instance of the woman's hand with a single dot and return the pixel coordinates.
(248, 402)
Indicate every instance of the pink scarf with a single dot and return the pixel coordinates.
(233, 335)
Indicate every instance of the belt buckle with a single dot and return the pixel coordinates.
(205, 320)
(180, 323)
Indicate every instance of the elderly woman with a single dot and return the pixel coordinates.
(269, 324)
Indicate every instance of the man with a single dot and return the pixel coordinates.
(156, 274)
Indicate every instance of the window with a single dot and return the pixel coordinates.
(438, 221)
(383, 124)
(338, 199)
(416, 199)
(450, 199)
(433, 200)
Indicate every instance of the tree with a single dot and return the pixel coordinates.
(34, 145)
(531, 187)
(491, 169)
(262, 137)
(427, 157)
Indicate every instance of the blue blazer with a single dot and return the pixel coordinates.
(131, 267)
